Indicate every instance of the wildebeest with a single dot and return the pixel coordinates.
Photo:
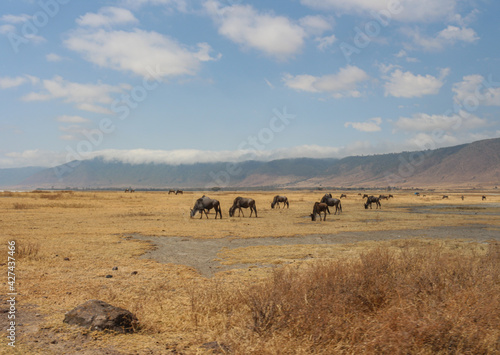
(343, 195)
(483, 198)
(318, 208)
(372, 199)
(365, 196)
(391, 196)
(205, 204)
(241, 202)
(444, 196)
(179, 192)
(330, 201)
(132, 190)
(280, 199)
(171, 191)
(383, 197)
(463, 197)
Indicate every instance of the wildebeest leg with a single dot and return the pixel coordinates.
(218, 211)
(327, 210)
(240, 211)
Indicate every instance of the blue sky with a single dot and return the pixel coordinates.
(183, 81)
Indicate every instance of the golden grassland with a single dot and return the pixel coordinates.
(392, 296)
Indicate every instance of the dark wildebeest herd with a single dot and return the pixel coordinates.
(205, 204)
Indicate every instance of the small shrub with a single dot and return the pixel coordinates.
(22, 206)
(27, 250)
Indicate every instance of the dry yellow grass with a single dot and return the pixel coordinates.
(88, 228)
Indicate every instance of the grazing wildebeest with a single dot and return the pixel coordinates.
(277, 199)
(483, 198)
(241, 202)
(444, 196)
(318, 208)
(372, 199)
(205, 204)
(132, 190)
(383, 197)
(343, 195)
(171, 192)
(330, 201)
(179, 192)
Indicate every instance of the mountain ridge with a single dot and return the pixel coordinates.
(466, 165)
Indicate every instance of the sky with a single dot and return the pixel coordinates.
(184, 81)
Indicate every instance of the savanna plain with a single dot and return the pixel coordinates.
(421, 275)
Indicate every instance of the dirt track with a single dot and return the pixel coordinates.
(202, 254)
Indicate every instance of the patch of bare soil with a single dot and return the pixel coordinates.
(201, 254)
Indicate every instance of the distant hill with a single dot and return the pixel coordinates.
(13, 176)
(467, 165)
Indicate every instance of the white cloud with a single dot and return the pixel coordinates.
(6, 29)
(342, 84)
(107, 17)
(88, 97)
(138, 51)
(461, 121)
(179, 5)
(407, 84)
(32, 157)
(402, 10)
(447, 37)
(372, 125)
(276, 36)
(475, 90)
(403, 54)
(6, 82)
(9, 28)
(52, 57)
(72, 119)
(315, 25)
(325, 42)
(15, 19)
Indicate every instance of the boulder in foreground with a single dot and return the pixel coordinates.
(99, 315)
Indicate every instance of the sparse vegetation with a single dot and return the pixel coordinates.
(421, 296)
(423, 299)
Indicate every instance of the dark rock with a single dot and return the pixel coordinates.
(99, 315)
(108, 276)
(133, 273)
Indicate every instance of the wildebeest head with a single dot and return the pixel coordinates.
(366, 206)
(198, 206)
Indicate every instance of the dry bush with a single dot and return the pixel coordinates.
(27, 250)
(52, 196)
(22, 206)
(419, 300)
